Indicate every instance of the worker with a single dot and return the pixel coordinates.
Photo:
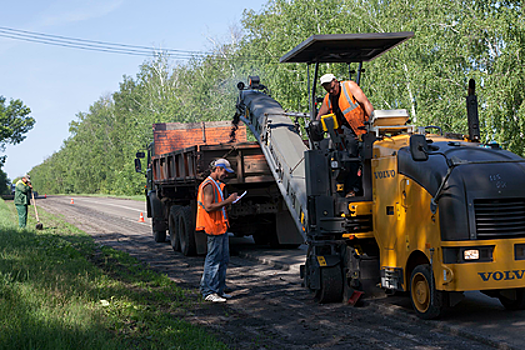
(22, 199)
(351, 108)
(213, 220)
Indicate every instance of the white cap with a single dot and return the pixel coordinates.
(327, 78)
(223, 163)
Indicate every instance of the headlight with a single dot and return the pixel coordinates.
(471, 254)
(334, 164)
(476, 254)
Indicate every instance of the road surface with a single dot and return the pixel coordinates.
(271, 310)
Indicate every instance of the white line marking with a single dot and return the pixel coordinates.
(113, 205)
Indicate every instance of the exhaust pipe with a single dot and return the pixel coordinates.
(472, 112)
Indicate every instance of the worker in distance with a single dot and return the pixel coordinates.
(352, 108)
(213, 220)
(22, 199)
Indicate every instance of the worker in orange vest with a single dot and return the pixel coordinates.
(352, 108)
(213, 220)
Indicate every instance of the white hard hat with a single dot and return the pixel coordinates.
(327, 78)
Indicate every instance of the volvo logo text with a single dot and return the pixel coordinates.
(384, 174)
(502, 275)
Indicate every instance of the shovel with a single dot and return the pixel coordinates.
(39, 225)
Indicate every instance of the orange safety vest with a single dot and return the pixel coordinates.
(215, 222)
(351, 109)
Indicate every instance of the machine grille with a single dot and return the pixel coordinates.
(500, 218)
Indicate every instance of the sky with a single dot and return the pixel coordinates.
(57, 83)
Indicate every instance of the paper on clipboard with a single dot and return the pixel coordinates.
(239, 198)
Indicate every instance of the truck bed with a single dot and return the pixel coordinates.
(189, 166)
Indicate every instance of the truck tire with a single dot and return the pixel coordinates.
(331, 285)
(174, 227)
(426, 300)
(518, 304)
(158, 234)
(187, 232)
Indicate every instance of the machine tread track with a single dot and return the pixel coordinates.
(331, 285)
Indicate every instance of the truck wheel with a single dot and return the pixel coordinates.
(426, 300)
(518, 304)
(187, 232)
(174, 228)
(331, 285)
(158, 235)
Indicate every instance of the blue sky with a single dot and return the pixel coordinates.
(57, 82)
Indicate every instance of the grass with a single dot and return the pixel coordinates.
(59, 290)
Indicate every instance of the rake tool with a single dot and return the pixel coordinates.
(39, 225)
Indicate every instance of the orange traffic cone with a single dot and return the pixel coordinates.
(72, 202)
(141, 217)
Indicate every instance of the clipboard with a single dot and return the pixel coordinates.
(239, 198)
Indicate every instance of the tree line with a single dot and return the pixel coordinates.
(454, 41)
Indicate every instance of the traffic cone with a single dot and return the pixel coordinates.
(141, 217)
(72, 202)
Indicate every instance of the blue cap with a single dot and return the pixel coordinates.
(223, 163)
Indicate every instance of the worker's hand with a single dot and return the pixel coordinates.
(30, 186)
(233, 197)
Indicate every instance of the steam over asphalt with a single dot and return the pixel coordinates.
(271, 310)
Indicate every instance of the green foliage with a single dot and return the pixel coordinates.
(4, 183)
(428, 75)
(59, 290)
(14, 123)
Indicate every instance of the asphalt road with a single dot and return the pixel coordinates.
(478, 322)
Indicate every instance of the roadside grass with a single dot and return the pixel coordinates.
(60, 290)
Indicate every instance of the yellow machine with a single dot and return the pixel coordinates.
(443, 215)
(473, 238)
(435, 215)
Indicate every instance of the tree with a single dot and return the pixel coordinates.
(15, 122)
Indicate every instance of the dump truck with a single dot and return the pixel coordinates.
(179, 159)
(439, 214)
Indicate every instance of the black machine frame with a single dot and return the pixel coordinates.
(330, 261)
(342, 48)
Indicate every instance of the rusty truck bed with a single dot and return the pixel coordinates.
(190, 165)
